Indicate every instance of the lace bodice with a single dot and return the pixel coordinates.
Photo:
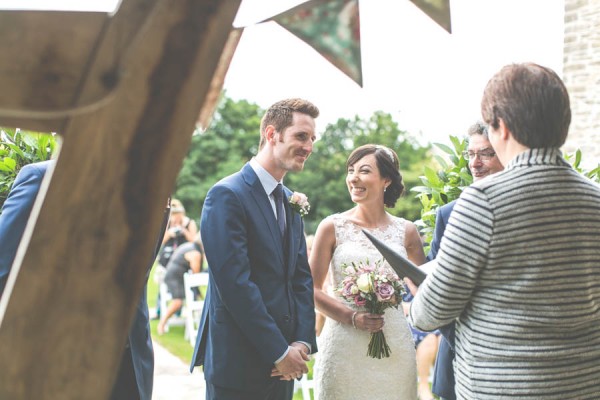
(353, 245)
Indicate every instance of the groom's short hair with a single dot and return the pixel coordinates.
(281, 115)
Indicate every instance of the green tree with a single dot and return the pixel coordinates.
(229, 142)
(442, 185)
(19, 148)
(324, 176)
(446, 182)
(232, 139)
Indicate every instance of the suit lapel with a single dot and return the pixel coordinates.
(264, 206)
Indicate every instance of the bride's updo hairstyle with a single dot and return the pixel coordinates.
(388, 165)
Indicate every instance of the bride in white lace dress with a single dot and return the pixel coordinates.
(342, 369)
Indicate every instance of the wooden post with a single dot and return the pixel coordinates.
(124, 92)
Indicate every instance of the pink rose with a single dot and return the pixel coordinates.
(360, 301)
(347, 289)
(384, 292)
(299, 203)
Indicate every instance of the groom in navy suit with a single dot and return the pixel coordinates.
(258, 323)
(136, 372)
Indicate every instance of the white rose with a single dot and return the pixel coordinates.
(364, 283)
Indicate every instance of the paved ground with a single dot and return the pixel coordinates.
(172, 378)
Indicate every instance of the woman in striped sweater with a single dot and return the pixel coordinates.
(519, 268)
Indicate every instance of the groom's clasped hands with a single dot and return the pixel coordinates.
(293, 365)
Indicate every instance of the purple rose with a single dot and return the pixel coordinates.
(384, 292)
(347, 289)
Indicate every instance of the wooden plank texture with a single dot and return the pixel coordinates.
(65, 315)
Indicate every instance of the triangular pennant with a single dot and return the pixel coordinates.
(331, 27)
(438, 10)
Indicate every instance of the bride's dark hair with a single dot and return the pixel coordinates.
(388, 165)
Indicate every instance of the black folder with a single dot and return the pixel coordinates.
(401, 265)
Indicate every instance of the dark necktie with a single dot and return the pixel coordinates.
(278, 195)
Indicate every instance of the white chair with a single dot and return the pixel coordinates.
(193, 306)
(165, 297)
(305, 385)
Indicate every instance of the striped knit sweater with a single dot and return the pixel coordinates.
(519, 268)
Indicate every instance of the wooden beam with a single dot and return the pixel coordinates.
(68, 309)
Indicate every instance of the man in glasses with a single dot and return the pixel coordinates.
(518, 270)
(482, 162)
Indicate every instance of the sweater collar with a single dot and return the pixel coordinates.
(540, 156)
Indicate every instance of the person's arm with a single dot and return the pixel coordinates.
(168, 234)
(190, 230)
(302, 285)
(447, 290)
(413, 244)
(15, 213)
(194, 258)
(320, 258)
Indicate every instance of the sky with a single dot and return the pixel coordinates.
(429, 80)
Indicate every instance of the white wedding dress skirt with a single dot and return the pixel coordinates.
(342, 368)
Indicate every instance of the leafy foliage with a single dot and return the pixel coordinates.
(233, 137)
(324, 176)
(445, 185)
(19, 148)
(575, 160)
(230, 141)
(442, 186)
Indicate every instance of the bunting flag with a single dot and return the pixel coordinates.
(332, 28)
(438, 10)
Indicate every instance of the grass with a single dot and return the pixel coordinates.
(174, 340)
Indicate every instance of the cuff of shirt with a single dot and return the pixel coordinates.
(283, 356)
(308, 346)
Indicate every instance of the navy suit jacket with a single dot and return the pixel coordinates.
(260, 294)
(443, 376)
(15, 213)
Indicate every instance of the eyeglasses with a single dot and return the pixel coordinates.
(484, 155)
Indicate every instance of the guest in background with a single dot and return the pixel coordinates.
(188, 257)
(181, 229)
(426, 346)
(15, 213)
(483, 162)
(518, 268)
(136, 371)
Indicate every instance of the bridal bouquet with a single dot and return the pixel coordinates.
(376, 288)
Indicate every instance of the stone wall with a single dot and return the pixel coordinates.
(581, 74)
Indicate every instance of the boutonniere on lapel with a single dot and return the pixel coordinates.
(299, 203)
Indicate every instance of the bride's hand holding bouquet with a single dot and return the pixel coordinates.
(376, 288)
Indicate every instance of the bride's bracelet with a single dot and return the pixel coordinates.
(354, 319)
